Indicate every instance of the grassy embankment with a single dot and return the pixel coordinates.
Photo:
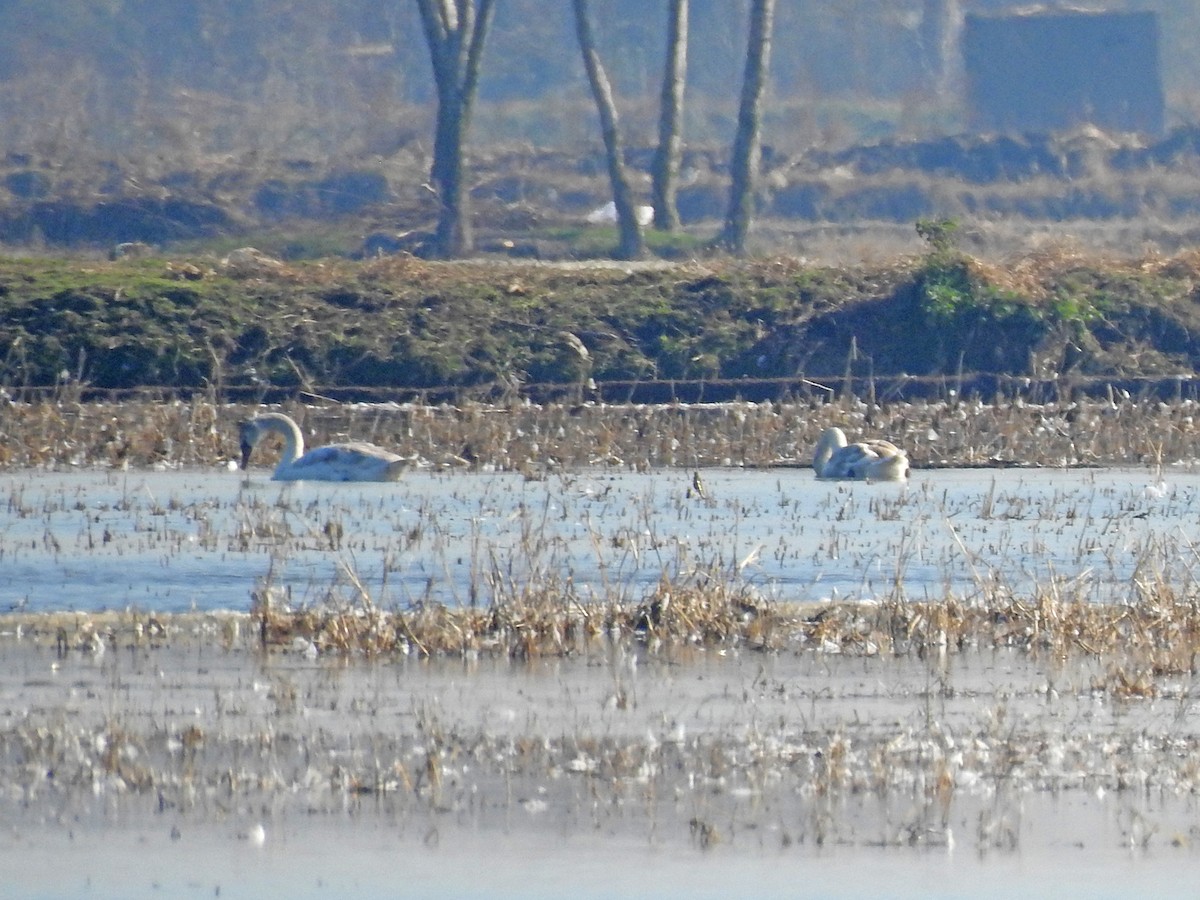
(401, 326)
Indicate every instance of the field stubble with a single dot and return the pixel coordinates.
(534, 438)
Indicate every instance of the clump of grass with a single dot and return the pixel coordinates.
(548, 619)
(1156, 635)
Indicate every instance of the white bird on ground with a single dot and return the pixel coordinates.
(355, 461)
(872, 460)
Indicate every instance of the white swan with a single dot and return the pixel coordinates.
(874, 460)
(338, 462)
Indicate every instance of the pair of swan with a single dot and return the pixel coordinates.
(355, 461)
(871, 460)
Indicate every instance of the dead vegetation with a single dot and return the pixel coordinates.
(1116, 429)
(1137, 645)
(1155, 635)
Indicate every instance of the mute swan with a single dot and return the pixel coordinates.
(338, 462)
(874, 460)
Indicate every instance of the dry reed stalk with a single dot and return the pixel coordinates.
(1155, 635)
(534, 438)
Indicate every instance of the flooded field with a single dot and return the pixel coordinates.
(194, 540)
(646, 679)
(184, 768)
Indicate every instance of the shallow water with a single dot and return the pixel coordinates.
(174, 541)
(585, 775)
(1048, 788)
(364, 859)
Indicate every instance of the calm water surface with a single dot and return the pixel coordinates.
(365, 859)
(170, 541)
(180, 540)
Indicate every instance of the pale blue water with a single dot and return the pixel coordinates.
(178, 540)
(171, 541)
(364, 857)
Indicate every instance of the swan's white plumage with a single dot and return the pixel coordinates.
(353, 461)
(872, 460)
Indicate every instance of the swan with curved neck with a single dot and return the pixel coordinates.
(353, 461)
(871, 460)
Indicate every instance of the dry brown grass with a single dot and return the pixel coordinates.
(1034, 272)
(1155, 636)
(542, 620)
(531, 438)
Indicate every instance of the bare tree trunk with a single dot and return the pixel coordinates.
(455, 31)
(665, 171)
(747, 142)
(630, 243)
(940, 24)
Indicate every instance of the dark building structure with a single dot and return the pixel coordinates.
(1051, 71)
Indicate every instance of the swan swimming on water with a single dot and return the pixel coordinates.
(872, 460)
(354, 461)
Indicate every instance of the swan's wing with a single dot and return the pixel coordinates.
(881, 460)
(848, 461)
(347, 462)
(880, 447)
(367, 451)
(868, 459)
